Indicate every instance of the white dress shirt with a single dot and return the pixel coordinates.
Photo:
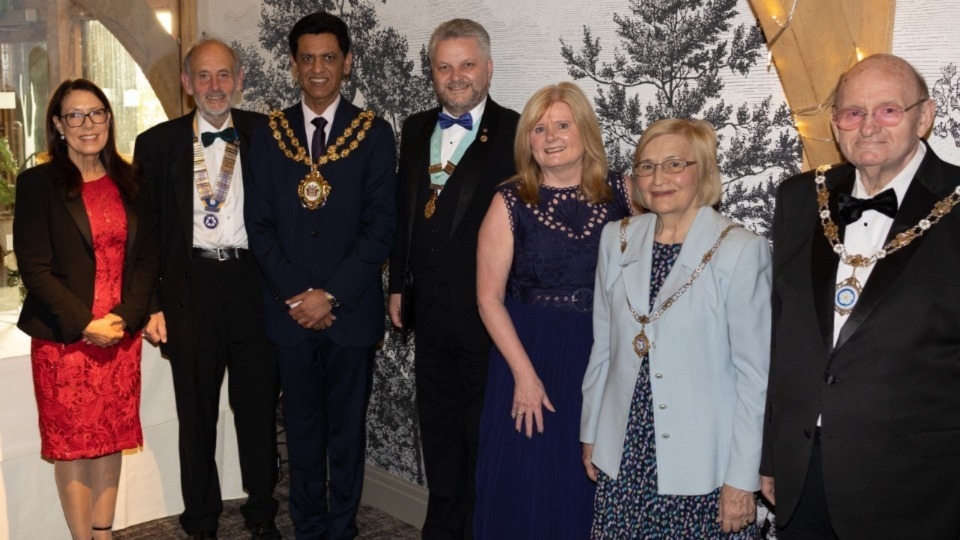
(230, 231)
(450, 138)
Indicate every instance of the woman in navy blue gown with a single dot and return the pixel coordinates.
(536, 264)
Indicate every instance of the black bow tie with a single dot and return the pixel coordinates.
(851, 208)
(229, 135)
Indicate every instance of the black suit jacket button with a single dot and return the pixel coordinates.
(830, 378)
(313, 233)
(186, 275)
(180, 305)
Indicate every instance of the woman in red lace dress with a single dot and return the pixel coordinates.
(84, 240)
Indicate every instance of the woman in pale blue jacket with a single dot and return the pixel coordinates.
(674, 392)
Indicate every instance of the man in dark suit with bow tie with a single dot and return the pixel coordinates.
(451, 160)
(321, 225)
(209, 313)
(862, 429)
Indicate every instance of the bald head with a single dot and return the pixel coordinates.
(891, 65)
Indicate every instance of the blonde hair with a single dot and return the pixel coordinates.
(593, 185)
(703, 141)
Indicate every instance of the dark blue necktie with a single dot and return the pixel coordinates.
(465, 120)
(229, 135)
(851, 208)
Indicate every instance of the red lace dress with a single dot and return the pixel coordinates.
(88, 396)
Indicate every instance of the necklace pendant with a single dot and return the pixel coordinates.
(313, 190)
(847, 294)
(641, 343)
(211, 221)
(431, 206)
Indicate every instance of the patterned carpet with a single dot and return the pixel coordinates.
(374, 524)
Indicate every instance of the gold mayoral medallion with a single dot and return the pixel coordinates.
(313, 190)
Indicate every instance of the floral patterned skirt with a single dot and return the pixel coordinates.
(629, 506)
(88, 397)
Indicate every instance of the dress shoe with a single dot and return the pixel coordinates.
(264, 531)
(210, 535)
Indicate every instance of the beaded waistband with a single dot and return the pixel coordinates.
(580, 300)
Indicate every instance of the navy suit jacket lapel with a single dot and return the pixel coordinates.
(928, 186)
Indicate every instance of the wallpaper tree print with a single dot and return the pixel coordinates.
(390, 85)
(946, 93)
(382, 75)
(670, 62)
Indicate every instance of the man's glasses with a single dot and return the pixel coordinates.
(670, 166)
(76, 119)
(850, 118)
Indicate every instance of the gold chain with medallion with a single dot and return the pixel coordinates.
(641, 343)
(314, 190)
(848, 290)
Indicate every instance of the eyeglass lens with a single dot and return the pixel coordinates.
(76, 119)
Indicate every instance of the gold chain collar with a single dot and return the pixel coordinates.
(641, 343)
(314, 190)
(831, 231)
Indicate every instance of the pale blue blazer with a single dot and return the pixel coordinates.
(708, 362)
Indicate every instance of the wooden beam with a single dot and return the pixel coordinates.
(136, 27)
(821, 41)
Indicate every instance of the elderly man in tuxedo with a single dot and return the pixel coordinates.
(321, 220)
(451, 159)
(209, 314)
(862, 427)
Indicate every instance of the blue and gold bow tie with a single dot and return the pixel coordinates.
(464, 120)
(228, 135)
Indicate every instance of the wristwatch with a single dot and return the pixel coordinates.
(332, 299)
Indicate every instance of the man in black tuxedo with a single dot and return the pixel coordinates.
(451, 159)
(862, 432)
(209, 315)
(321, 225)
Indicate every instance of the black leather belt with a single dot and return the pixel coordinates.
(221, 254)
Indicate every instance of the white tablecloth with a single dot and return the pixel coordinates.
(150, 478)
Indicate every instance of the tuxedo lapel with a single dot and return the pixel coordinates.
(422, 174)
(823, 260)
(184, 186)
(477, 153)
(917, 203)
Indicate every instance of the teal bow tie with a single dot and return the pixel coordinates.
(229, 135)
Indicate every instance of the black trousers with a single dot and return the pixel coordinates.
(810, 521)
(229, 334)
(450, 387)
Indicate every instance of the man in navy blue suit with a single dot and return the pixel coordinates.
(321, 220)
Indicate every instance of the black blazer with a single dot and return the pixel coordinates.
(889, 391)
(165, 153)
(54, 247)
(486, 163)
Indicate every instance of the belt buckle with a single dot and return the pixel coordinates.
(582, 300)
(222, 255)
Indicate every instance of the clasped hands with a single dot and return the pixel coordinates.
(105, 331)
(311, 309)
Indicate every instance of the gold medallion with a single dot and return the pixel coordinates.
(431, 206)
(848, 292)
(313, 190)
(641, 344)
